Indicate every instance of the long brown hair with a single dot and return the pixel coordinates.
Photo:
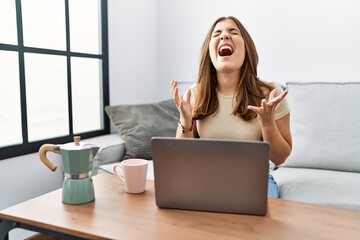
(251, 90)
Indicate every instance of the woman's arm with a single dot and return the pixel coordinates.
(183, 132)
(186, 126)
(279, 137)
(275, 132)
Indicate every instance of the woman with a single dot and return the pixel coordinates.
(229, 100)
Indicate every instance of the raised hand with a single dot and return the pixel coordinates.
(266, 111)
(183, 104)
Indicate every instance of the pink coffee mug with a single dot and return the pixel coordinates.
(134, 173)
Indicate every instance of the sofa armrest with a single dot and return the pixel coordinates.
(112, 149)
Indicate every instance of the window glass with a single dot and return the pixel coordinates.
(10, 114)
(86, 94)
(8, 29)
(44, 24)
(52, 81)
(85, 30)
(46, 95)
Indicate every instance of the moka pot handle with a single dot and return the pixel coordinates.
(42, 154)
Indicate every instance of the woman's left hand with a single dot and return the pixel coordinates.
(266, 111)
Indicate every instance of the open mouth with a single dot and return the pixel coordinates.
(225, 50)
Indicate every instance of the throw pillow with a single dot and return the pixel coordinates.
(137, 124)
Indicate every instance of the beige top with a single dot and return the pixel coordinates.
(227, 126)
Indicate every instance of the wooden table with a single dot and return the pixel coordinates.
(117, 215)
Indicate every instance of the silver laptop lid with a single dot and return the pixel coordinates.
(211, 174)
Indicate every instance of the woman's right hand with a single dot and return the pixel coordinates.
(183, 104)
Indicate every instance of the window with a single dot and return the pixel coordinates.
(54, 72)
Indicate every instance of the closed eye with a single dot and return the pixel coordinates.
(216, 33)
(234, 31)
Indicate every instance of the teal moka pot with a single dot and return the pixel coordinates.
(77, 159)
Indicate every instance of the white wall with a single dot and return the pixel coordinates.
(299, 40)
(133, 51)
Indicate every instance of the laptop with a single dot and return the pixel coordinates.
(212, 175)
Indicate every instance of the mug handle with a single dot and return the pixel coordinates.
(117, 173)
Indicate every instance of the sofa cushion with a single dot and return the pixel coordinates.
(325, 125)
(137, 124)
(327, 187)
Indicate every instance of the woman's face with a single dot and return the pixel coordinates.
(227, 48)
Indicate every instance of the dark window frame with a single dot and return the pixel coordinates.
(30, 147)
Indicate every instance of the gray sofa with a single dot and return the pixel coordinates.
(324, 166)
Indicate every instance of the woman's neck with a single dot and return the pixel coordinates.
(227, 83)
